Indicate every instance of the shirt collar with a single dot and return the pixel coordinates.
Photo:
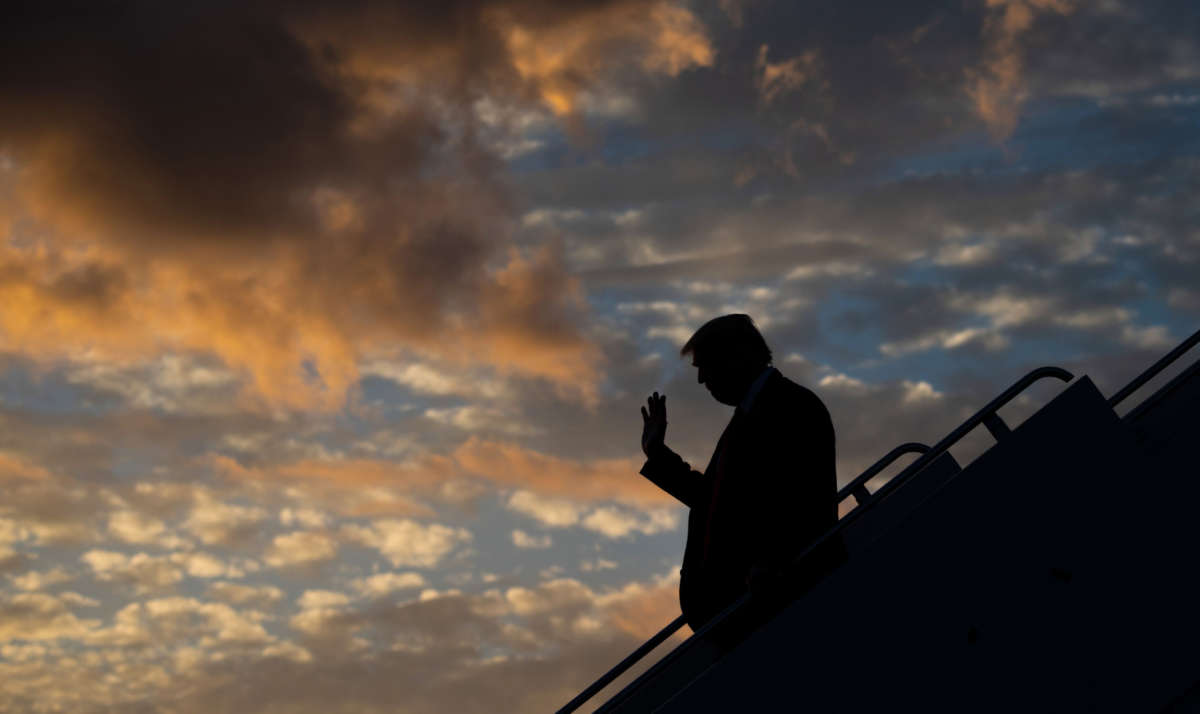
(755, 388)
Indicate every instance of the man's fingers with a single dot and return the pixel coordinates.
(645, 415)
(657, 407)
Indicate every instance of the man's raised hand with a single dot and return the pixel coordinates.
(654, 424)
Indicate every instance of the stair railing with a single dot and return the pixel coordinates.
(858, 487)
(986, 416)
(1154, 369)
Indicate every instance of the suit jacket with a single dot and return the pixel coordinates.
(769, 491)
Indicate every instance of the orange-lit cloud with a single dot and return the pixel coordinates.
(303, 195)
(997, 88)
(775, 79)
(662, 37)
(14, 466)
(597, 480)
(377, 487)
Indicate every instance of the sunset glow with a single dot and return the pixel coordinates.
(324, 328)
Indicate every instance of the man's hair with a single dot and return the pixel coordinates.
(729, 336)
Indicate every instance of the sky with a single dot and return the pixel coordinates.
(324, 327)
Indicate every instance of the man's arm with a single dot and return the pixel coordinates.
(664, 467)
(667, 470)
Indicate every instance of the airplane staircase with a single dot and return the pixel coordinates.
(1057, 571)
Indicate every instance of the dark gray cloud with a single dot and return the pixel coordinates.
(294, 183)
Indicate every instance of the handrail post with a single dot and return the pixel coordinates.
(996, 426)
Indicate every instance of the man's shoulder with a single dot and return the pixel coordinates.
(786, 389)
(788, 396)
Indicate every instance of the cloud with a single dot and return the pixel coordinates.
(15, 466)
(300, 548)
(12, 531)
(319, 224)
(307, 517)
(40, 580)
(408, 542)
(134, 527)
(510, 464)
(474, 418)
(315, 599)
(521, 539)
(39, 616)
(50, 511)
(919, 392)
(997, 88)
(1149, 337)
(776, 79)
(664, 38)
(435, 651)
(382, 584)
(367, 248)
(262, 597)
(588, 566)
(610, 521)
(348, 486)
(842, 383)
(617, 523)
(555, 512)
(439, 379)
(170, 383)
(214, 521)
(177, 619)
(205, 565)
(146, 573)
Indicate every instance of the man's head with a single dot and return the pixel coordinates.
(729, 352)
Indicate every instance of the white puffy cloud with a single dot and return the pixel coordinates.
(614, 522)
(549, 595)
(303, 516)
(300, 548)
(556, 512)
(213, 521)
(261, 597)
(382, 584)
(12, 531)
(316, 599)
(919, 392)
(843, 383)
(205, 565)
(609, 521)
(42, 579)
(40, 616)
(185, 618)
(320, 611)
(473, 417)
(145, 572)
(521, 539)
(405, 542)
(428, 379)
(134, 527)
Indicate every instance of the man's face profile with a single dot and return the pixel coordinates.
(721, 376)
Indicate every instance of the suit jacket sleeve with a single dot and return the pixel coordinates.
(667, 470)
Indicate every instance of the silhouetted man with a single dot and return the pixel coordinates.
(769, 489)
